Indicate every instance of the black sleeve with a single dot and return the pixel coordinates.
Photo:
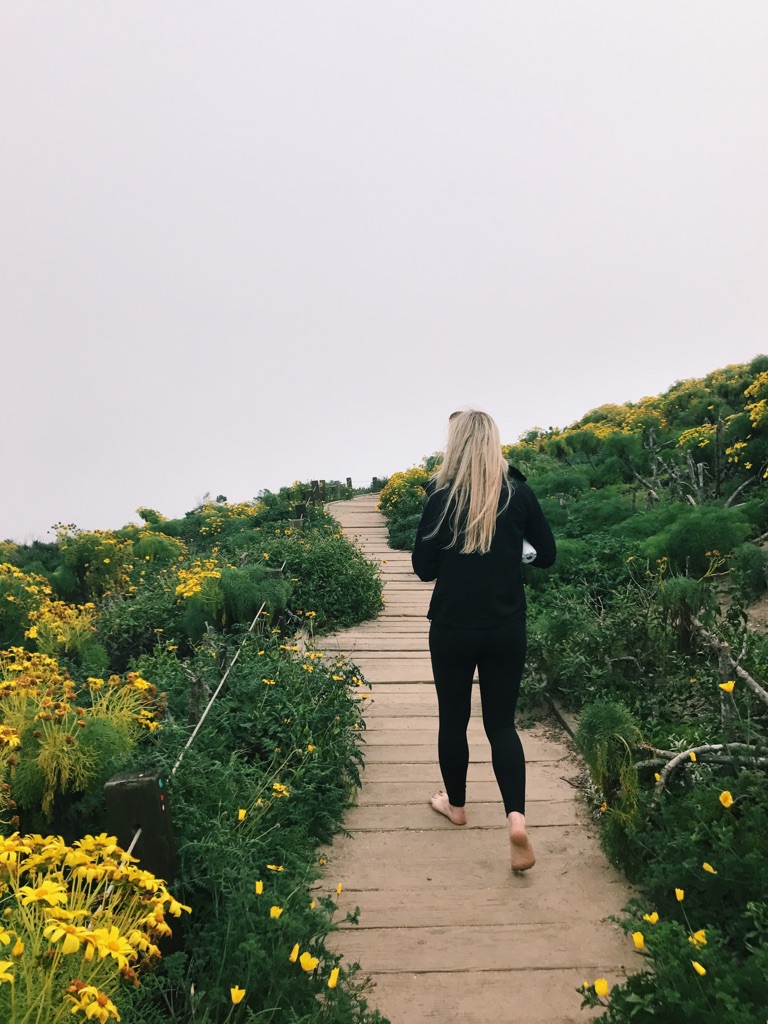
(426, 552)
(539, 533)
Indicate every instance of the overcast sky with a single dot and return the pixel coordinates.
(248, 242)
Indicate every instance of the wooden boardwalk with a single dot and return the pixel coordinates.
(446, 930)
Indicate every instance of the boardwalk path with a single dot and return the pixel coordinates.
(446, 930)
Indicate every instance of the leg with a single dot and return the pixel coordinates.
(453, 667)
(501, 667)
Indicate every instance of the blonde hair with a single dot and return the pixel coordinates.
(473, 471)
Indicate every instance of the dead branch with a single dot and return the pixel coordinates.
(719, 646)
(738, 491)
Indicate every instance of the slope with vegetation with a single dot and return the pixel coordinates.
(112, 644)
(643, 628)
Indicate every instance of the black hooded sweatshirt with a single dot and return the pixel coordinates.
(477, 591)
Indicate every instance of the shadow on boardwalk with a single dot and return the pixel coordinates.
(446, 930)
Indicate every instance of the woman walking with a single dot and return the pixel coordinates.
(470, 540)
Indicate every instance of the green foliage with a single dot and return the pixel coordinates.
(749, 571)
(607, 737)
(281, 743)
(694, 533)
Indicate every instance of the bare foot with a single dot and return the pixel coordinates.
(522, 855)
(440, 803)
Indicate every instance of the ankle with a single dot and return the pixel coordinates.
(516, 821)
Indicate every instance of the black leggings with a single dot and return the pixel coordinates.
(498, 654)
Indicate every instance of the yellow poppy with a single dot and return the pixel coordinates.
(639, 940)
(680, 894)
(334, 978)
(651, 918)
(308, 962)
(698, 968)
(236, 995)
(294, 956)
(275, 911)
(708, 867)
(601, 987)
(726, 799)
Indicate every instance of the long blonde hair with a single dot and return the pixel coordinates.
(473, 471)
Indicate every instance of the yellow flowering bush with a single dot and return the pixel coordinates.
(56, 737)
(78, 920)
(20, 594)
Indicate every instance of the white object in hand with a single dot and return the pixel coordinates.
(529, 552)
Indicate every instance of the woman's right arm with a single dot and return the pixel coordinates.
(539, 534)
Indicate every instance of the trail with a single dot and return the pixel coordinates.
(446, 930)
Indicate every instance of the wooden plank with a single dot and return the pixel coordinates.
(474, 906)
(488, 997)
(372, 817)
(473, 857)
(489, 947)
(542, 788)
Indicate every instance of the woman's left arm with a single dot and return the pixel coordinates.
(425, 558)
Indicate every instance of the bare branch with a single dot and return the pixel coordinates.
(739, 489)
(721, 646)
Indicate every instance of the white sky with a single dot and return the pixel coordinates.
(248, 242)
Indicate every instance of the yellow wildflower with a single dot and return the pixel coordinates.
(698, 968)
(708, 867)
(334, 978)
(725, 798)
(651, 918)
(692, 755)
(4, 973)
(241, 814)
(698, 938)
(294, 955)
(601, 987)
(639, 940)
(274, 867)
(18, 949)
(275, 911)
(728, 687)
(308, 962)
(680, 894)
(339, 887)
(236, 995)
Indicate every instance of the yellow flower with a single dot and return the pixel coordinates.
(310, 748)
(241, 814)
(698, 938)
(5, 936)
(275, 911)
(708, 867)
(339, 887)
(50, 892)
(18, 949)
(725, 798)
(651, 918)
(294, 954)
(275, 867)
(639, 940)
(601, 987)
(72, 934)
(4, 974)
(308, 962)
(657, 776)
(698, 968)
(680, 893)
(728, 687)
(603, 807)
(269, 682)
(259, 887)
(312, 905)
(236, 995)
(692, 755)
(333, 980)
